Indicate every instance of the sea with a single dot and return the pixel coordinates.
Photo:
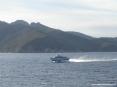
(89, 69)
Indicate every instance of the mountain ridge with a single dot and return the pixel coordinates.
(21, 36)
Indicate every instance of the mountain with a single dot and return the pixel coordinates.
(80, 35)
(107, 44)
(20, 36)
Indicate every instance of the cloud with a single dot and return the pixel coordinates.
(87, 16)
(101, 4)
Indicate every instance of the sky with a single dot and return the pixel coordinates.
(93, 17)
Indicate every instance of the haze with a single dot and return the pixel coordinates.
(93, 17)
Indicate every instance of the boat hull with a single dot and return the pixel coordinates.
(59, 60)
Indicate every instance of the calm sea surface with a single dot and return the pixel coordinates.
(36, 70)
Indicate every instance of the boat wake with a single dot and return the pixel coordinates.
(82, 59)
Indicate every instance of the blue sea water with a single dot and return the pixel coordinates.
(36, 70)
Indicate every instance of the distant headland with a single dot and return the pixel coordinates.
(22, 37)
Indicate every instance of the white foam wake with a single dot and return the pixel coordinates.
(91, 60)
